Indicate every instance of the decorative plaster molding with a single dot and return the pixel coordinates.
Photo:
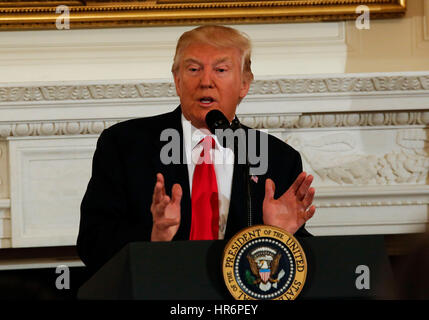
(340, 119)
(286, 96)
(344, 84)
(335, 157)
(54, 128)
(272, 121)
(372, 196)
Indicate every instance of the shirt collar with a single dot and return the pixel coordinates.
(195, 135)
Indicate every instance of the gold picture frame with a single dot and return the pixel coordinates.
(43, 14)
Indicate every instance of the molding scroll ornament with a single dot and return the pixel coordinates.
(24, 129)
(306, 120)
(340, 119)
(353, 84)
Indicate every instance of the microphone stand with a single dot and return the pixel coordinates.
(215, 119)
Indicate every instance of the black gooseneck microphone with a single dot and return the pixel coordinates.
(215, 119)
(217, 122)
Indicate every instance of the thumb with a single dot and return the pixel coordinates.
(270, 188)
(176, 193)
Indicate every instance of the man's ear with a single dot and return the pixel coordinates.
(245, 86)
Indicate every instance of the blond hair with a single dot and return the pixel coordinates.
(220, 37)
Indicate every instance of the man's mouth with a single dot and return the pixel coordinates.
(207, 100)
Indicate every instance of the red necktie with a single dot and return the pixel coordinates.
(205, 200)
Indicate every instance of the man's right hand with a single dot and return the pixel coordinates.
(165, 211)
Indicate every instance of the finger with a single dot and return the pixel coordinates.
(310, 213)
(160, 204)
(160, 208)
(308, 199)
(298, 181)
(176, 194)
(305, 185)
(270, 189)
(160, 187)
(160, 178)
(157, 192)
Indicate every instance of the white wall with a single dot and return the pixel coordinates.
(147, 53)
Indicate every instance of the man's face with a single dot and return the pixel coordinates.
(209, 78)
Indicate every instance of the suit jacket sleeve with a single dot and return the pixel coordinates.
(106, 225)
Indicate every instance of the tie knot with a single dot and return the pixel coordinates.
(208, 142)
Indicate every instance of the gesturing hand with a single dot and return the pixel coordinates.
(165, 211)
(291, 210)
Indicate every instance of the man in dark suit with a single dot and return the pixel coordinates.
(128, 197)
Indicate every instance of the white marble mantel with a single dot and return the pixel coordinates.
(365, 138)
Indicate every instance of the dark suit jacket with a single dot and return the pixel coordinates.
(116, 207)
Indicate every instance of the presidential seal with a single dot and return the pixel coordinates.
(264, 263)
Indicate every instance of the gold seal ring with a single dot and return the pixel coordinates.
(263, 262)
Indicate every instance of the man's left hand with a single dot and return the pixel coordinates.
(290, 211)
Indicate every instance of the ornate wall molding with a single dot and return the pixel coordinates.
(347, 158)
(272, 121)
(54, 128)
(340, 119)
(25, 109)
(287, 97)
(339, 84)
(372, 196)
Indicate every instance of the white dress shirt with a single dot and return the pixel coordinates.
(223, 160)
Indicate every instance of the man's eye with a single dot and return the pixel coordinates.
(221, 70)
(193, 69)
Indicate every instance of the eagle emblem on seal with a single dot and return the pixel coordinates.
(264, 264)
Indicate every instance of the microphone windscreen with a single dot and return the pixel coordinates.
(215, 119)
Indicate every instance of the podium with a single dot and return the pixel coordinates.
(192, 270)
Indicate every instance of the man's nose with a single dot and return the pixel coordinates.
(206, 80)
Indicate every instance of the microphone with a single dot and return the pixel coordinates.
(215, 119)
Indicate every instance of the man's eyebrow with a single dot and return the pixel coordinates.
(221, 60)
(191, 60)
